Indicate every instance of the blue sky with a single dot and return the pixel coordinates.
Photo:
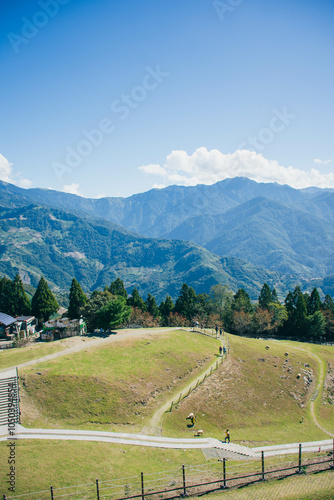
(114, 97)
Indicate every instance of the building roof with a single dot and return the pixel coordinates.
(24, 318)
(6, 320)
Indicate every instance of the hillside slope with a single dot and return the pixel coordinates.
(270, 225)
(37, 241)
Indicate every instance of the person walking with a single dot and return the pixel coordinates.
(227, 436)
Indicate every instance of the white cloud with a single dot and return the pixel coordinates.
(72, 189)
(321, 162)
(208, 167)
(5, 169)
(7, 174)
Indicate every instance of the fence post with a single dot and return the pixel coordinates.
(97, 490)
(142, 485)
(51, 491)
(300, 459)
(224, 474)
(262, 459)
(184, 481)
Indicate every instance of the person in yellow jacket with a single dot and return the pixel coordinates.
(227, 436)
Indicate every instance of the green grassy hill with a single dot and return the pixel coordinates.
(256, 392)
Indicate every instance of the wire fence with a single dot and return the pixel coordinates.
(220, 360)
(191, 479)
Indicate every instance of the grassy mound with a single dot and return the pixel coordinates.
(261, 395)
(117, 385)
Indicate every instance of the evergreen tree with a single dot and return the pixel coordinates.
(151, 306)
(77, 300)
(166, 308)
(296, 308)
(20, 302)
(6, 298)
(43, 303)
(186, 302)
(114, 313)
(274, 297)
(241, 302)
(136, 300)
(117, 288)
(316, 325)
(95, 303)
(314, 302)
(328, 303)
(265, 297)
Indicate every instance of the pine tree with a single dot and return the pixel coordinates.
(151, 306)
(296, 308)
(77, 300)
(136, 300)
(328, 303)
(314, 302)
(117, 288)
(166, 307)
(6, 297)
(20, 302)
(265, 297)
(186, 302)
(241, 302)
(43, 303)
(274, 297)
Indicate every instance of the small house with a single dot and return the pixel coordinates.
(8, 327)
(56, 329)
(27, 325)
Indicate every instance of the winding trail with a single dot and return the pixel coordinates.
(154, 426)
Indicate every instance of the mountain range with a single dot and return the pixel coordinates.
(236, 231)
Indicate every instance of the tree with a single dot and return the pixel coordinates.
(20, 302)
(117, 288)
(166, 308)
(186, 301)
(43, 303)
(221, 298)
(265, 297)
(151, 306)
(316, 325)
(90, 311)
(241, 323)
(328, 303)
(136, 300)
(77, 300)
(114, 313)
(142, 318)
(241, 302)
(295, 304)
(314, 302)
(6, 297)
(274, 297)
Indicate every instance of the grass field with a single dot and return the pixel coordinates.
(114, 387)
(257, 393)
(304, 487)
(13, 357)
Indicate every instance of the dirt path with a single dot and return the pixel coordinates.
(80, 343)
(154, 426)
(318, 390)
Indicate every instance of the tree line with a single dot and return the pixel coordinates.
(301, 316)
